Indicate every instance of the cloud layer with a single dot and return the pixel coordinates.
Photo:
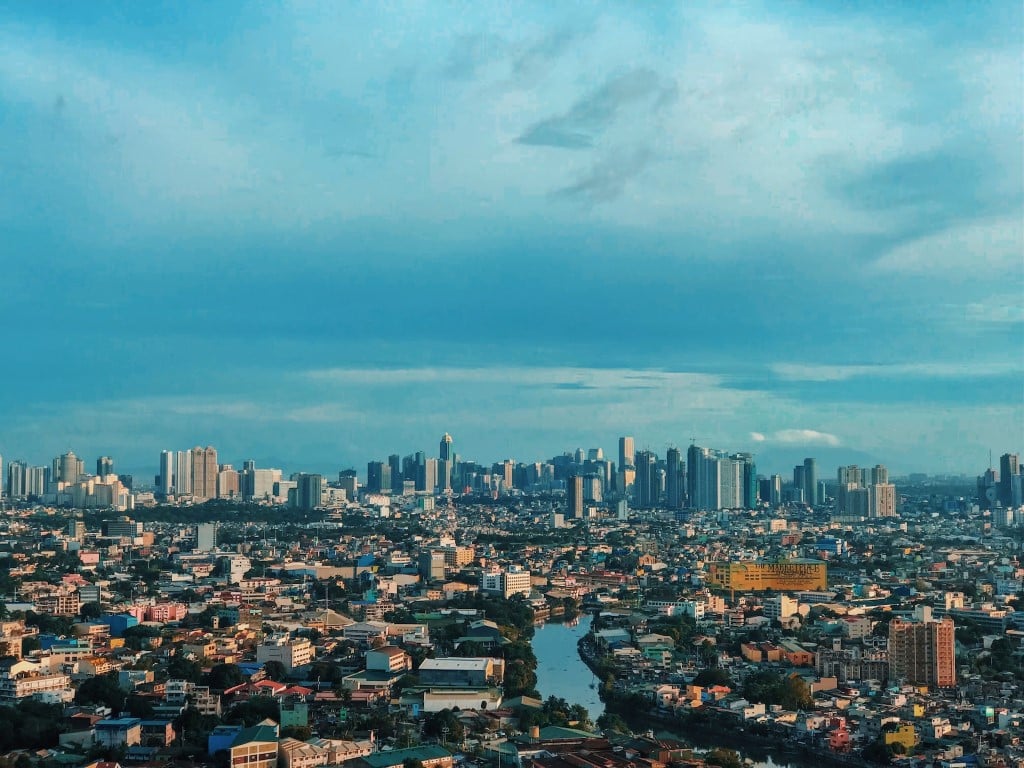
(326, 231)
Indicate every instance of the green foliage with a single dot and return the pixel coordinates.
(609, 721)
(29, 725)
(436, 723)
(253, 711)
(224, 676)
(102, 689)
(275, 670)
(714, 676)
(790, 692)
(300, 732)
(725, 758)
(180, 668)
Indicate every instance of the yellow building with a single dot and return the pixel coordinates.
(757, 576)
(904, 734)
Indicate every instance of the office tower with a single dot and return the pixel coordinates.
(574, 495)
(3, 479)
(645, 489)
(445, 452)
(879, 475)
(749, 495)
(799, 481)
(703, 478)
(395, 471)
(378, 477)
(307, 491)
(67, 468)
(428, 476)
(774, 490)
(165, 480)
(183, 473)
(882, 500)
(444, 475)
(204, 472)
(206, 537)
(35, 481)
(248, 464)
(922, 652)
(16, 480)
(104, 466)
(1009, 474)
(627, 453)
(595, 454)
(988, 488)
(811, 496)
(229, 482)
(674, 479)
(507, 472)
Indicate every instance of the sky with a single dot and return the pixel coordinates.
(317, 234)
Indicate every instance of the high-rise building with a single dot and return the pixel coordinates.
(165, 480)
(923, 652)
(674, 479)
(627, 453)
(307, 491)
(16, 480)
(229, 482)
(574, 496)
(204, 472)
(3, 479)
(879, 475)
(104, 466)
(445, 452)
(395, 467)
(427, 479)
(1009, 474)
(183, 473)
(800, 481)
(67, 468)
(378, 477)
(703, 479)
(206, 537)
(811, 483)
(646, 486)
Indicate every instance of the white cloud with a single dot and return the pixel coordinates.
(757, 437)
(986, 249)
(805, 437)
(827, 373)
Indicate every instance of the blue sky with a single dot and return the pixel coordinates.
(315, 234)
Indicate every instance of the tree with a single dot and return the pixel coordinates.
(274, 670)
(725, 758)
(609, 721)
(224, 676)
(102, 689)
(180, 668)
(714, 676)
(90, 611)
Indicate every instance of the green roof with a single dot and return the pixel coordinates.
(256, 733)
(398, 756)
(558, 732)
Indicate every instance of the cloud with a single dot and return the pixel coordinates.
(813, 372)
(982, 249)
(804, 437)
(607, 179)
(757, 437)
(584, 123)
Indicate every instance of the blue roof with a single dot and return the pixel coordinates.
(366, 560)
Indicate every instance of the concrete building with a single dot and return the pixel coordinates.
(922, 651)
(290, 652)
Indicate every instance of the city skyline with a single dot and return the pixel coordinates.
(314, 234)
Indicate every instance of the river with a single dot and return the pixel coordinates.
(562, 673)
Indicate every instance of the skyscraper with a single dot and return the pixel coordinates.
(307, 491)
(811, 483)
(397, 480)
(674, 477)
(1009, 468)
(165, 480)
(703, 478)
(375, 476)
(923, 652)
(445, 449)
(204, 472)
(645, 488)
(183, 473)
(627, 454)
(574, 496)
(67, 468)
(799, 483)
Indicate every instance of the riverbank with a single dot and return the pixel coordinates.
(708, 729)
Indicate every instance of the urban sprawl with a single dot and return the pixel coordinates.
(227, 617)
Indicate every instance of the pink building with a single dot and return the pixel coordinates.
(164, 612)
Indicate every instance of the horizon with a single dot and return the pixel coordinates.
(314, 234)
